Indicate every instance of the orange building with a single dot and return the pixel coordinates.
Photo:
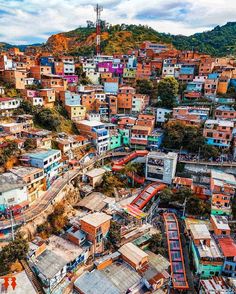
(124, 99)
(225, 112)
(206, 66)
(96, 226)
(144, 71)
(49, 97)
(37, 71)
(54, 82)
(112, 102)
(223, 85)
(220, 225)
(15, 77)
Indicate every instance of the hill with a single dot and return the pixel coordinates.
(115, 39)
(220, 41)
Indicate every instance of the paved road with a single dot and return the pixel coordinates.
(42, 203)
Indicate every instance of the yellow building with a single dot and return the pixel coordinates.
(76, 112)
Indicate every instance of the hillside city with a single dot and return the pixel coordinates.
(117, 172)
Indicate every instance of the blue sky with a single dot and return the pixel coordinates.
(33, 21)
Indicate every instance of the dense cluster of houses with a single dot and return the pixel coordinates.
(110, 114)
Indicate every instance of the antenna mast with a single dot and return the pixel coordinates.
(98, 9)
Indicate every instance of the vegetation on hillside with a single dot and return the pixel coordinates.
(220, 41)
(56, 221)
(15, 251)
(55, 119)
(190, 138)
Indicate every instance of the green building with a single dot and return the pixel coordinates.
(115, 140)
(207, 257)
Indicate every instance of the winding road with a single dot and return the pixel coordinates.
(42, 203)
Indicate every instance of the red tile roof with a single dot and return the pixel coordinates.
(228, 246)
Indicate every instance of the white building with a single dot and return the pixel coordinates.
(161, 167)
(13, 191)
(8, 105)
(161, 114)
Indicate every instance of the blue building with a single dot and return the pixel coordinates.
(49, 160)
(228, 248)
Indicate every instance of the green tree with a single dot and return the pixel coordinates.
(29, 144)
(130, 168)
(15, 250)
(168, 91)
(156, 243)
(114, 235)
(166, 195)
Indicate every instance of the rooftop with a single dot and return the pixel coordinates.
(64, 248)
(90, 123)
(132, 252)
(228, 246)
(222, 123)
(42, 154)
(95, 283)
(96, 219)
(211, 251)
(223, 177)
(216, 285)
(122, 276)
(49, 263)
(94, 201)
(221, 222)
(22, 171)
(10, 181)
(95, 172)
(199, 231)
(225, 108)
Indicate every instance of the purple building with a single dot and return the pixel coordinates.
(71, 78)
(115, 67)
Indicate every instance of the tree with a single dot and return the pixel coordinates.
(131, 169)
(114, 235)
(29, 144)
(168, 91)
(166, 195)
(144, 87)
(47, 119)
(15, 250)
(156, 243)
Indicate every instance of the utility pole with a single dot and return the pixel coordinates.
(12, 228)
(184, 205)
(98, 9)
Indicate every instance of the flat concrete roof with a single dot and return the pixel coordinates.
(96, 172)
(90, 123)
(200, 231)
(132, 252)
(96, 219)
(22, 171)
(10, 181)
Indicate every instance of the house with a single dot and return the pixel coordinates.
(111, 86)
(225, 112)
(34, 179)
(211, 84)
(190, 115)
(96, 226)
(38, 70)
(12, 128)
(207, 258)
(55, 82)
(218, 133)
(139, 102)
(13, 192)
(96, 132)
(216, 285)
(8, 105)
(15, 77)
(133, 255)
(162, 114)
(112, 103)
(95, 176)
(73, 254)
(49, 267)
(95, 201)
(143, 71)
(116, 278)
(48, 160)
(220, 225)
(222, 187)
(124, 99)
(156, 273)
(186, 74)
(228, 248)
(48, 96)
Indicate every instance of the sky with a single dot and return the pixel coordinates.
(33, 21)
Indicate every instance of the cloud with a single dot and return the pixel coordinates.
(29, 21)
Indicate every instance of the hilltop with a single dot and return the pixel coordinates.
(219, 41)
